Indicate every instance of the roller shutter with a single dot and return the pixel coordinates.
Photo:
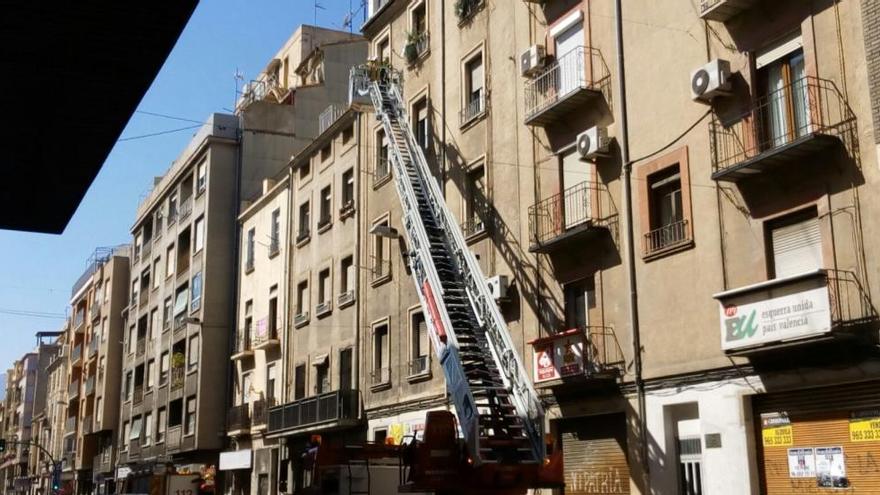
(797, 247)
(836, 417)
(594, 454)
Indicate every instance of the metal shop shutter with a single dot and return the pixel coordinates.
(594, 454)
(820, 418)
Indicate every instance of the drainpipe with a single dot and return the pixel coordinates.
(233, 289)
(623, 139)
(356, 366)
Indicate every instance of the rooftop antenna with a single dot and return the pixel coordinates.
(317, 6)
(239, 78)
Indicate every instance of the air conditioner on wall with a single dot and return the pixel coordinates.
(593, 142)
(532, 60)
(498, 287)
(710, 80)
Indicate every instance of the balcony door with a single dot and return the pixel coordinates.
(785, 101)
(569, 55)
(575, 176)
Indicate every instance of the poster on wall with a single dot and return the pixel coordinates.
(545, 368)
(864, 426)
(559, 356)
(776, 430)
(801, 463)
(830, 467)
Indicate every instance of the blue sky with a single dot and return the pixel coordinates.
(38, 270)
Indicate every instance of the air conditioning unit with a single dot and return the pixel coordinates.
(593, 142)
(532, 60)
(498, 287)
(711, 80)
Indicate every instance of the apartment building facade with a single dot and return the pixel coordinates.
(56, 409)
(40, 465)
(264, 336)
(21, 381)
(595, 209)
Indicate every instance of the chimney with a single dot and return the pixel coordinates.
(268, 184)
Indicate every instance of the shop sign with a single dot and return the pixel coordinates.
(801, 463)
(864, 426)
(763, 317)
(561, 357)
(236, 459)
(122, 472)
(830, 467)
(776, 430)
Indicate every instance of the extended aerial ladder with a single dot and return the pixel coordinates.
(499, 413)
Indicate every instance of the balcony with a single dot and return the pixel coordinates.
(786, 127)
(79, 321)
(173, 437)
(383, 169)
(94, 344)
(333, 409)
(178, 373)
(578, 356)
(260, 418)
(267, 338)
(474, 108)
(303, 235)
(70, 425)
(579, 212)
(467, 9)
(813, 307)
(380, 269)
(723, 10)
(138, 396)
(141, 346)
(419, 366)
(143, 297)
(243, 348)
(238, 420)
(323, 308)
(87, 425)
(73, 390)
(575, 79)
(667, 238)
(416, 47)
(330, 115)
(186, 207)
(90, 386)
(95, 309)
(345, 298)
(475, 224)
(146, 249)
(300, 319)
(103, 462)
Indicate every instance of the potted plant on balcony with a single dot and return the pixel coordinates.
(411, 50)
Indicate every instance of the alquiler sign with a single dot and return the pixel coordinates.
(775, 311)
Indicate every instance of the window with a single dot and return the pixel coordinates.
(418, 344)
(383, 168)
(157, 278)
(322, 377)
(420, 123)
(160, 424)
(180, 300)
(190, 427)
(475, 201)
(379, 435)
(126, 434)
(346, 275)
(579, 297)
(199, 241)
(273, 313)
(154, 323)
(665, 209)
(151, 372)
(795, 244)
(245, 388)
(324, 289)
(249, 250)
(275, 229)
(148, 429)
(302, 297)
(473, 85)
(172, 208)
(163, 368)
(304, 222)
(347, 134)
(136, 425)
(304, 170)
(345, 369)
(196, 292)
(299, 378)
(175, 413)
(201, 176)
(134, 291)
(170, 258)
(99, 410)
(132, 339)
(166, 313)
(193, 354)
(348, 189)
(325, 206)
(383, 51)
(380, 263)
(381, 356)
(326, 152)
(183, 247)
(128, 385)
(781, 77)
(145, 283)
(138, 243)
(271, 383)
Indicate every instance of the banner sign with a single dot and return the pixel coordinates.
(559, 356)
(765, 316)
(864, 426)
(776, 430)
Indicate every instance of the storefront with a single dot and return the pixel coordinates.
(819, 440)
(236, 469)
(594, 451)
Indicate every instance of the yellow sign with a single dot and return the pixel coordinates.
(778, 436)
(864, 430)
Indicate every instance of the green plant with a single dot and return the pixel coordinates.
(178, 360)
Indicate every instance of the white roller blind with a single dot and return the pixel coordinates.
(779, 49)
(797, 248)
(476, 74)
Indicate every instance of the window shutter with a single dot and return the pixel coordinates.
(797, 248)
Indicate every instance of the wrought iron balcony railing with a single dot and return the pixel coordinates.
(576, 210)
(801, 118)
(419, 366)
(667, 237)
(379, 268)
(238, 418)
(261, 411)
(572, 80)
(330, 115)
(380, 376)
(475, 106)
